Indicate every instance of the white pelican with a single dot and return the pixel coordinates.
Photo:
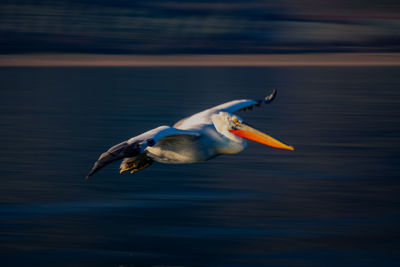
(200, 137)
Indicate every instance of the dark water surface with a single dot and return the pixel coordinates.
(334, 201)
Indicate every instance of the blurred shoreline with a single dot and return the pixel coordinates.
(99, 60)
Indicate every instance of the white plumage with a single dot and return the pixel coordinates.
(200, 137)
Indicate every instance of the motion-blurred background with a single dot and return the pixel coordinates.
(334, 201)
(162, 27)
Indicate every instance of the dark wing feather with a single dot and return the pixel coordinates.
(249, 104)
(122, 150)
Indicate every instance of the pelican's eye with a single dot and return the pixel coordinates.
(236, 121)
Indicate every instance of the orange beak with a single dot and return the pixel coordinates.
(250, 133)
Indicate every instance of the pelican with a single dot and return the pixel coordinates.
(200, 137)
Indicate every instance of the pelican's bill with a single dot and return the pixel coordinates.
(245, 131)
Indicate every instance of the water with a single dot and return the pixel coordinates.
(333, 201)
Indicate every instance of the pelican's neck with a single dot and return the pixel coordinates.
(222, 125)
(229, 143)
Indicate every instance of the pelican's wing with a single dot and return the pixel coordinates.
(241, 105)
(136, 146)
(204, 117)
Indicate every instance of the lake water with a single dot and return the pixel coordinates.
(334, 201)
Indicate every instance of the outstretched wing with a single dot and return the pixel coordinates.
(242, 105)
(136, 146)
(204, 117)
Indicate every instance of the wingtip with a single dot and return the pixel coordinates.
(90, 174)
(271, 96)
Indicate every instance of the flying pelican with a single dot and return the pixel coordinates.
(197, 138)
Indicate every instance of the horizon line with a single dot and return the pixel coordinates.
(204, 60)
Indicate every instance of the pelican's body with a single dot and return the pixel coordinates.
(200, 137)
(190, 149)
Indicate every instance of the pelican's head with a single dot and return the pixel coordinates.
(233, 127)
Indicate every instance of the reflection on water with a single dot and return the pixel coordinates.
(333, 200)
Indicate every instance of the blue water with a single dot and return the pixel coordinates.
(334, 201)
